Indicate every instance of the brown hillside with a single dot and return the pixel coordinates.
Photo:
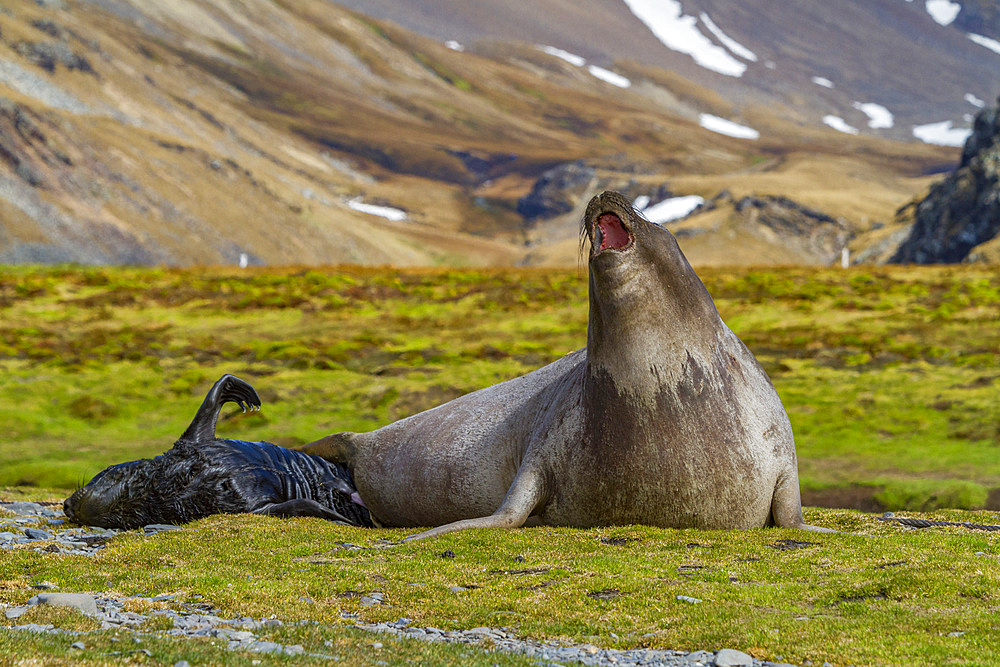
(199, 131)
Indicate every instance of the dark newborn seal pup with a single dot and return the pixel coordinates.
(665, 418)
(204, 475)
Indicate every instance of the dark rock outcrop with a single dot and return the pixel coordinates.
(962, 211)
(795, 225)
(557, 191)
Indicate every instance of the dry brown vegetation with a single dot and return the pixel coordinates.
(208, 133)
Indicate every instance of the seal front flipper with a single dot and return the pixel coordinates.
(523, 498)
(229, 388)
(786, 506)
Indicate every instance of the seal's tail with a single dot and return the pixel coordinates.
(229, 389)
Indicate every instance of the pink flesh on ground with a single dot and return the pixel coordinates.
(613, 232)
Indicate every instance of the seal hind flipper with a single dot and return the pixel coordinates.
(304, 507)
(336, 448)
(229, 388)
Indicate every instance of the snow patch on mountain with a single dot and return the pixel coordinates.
(839, 124)
(878, 116)
(680, 33)
(991, 44)
(571, 58)
(943, 11)
(822, 81)
(727, 127)
(386, 212)
(609, 77)
(974, 101)
(727, 41)
(942, 134)
(672, 209)
(605, 75)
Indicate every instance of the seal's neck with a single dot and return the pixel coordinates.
(646, 318)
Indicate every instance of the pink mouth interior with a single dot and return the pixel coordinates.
(613, 232)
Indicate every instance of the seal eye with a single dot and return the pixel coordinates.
(611, 232)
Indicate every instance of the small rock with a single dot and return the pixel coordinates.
(36, 534)
(15, 612)
(159, 528)
(44, 586)
(182, 663)
(377, 645)
(294, 649)
(265, 647)
(689, 600)
(78, 646)
(81, 601)
(458, 589)
(448, 554)
(36, 627)
(728, 657)
(704, 657)
(372, 599)
(24, 508)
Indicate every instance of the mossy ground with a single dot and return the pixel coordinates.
(889, 376)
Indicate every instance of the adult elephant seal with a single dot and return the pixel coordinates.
(665, 418)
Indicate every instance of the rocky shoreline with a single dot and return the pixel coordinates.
(37, 523)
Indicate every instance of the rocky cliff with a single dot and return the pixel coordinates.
(961, 213)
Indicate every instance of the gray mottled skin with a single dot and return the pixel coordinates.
(665, 418)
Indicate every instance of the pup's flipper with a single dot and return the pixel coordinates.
(229, 388)
(304, 507)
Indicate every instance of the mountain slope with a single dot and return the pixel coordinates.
(214, 132)
(893, 53)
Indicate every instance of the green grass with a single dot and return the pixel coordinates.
(890, 379)
(889, 376)
(880, 595)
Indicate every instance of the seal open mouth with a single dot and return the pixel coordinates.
(610, 233)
